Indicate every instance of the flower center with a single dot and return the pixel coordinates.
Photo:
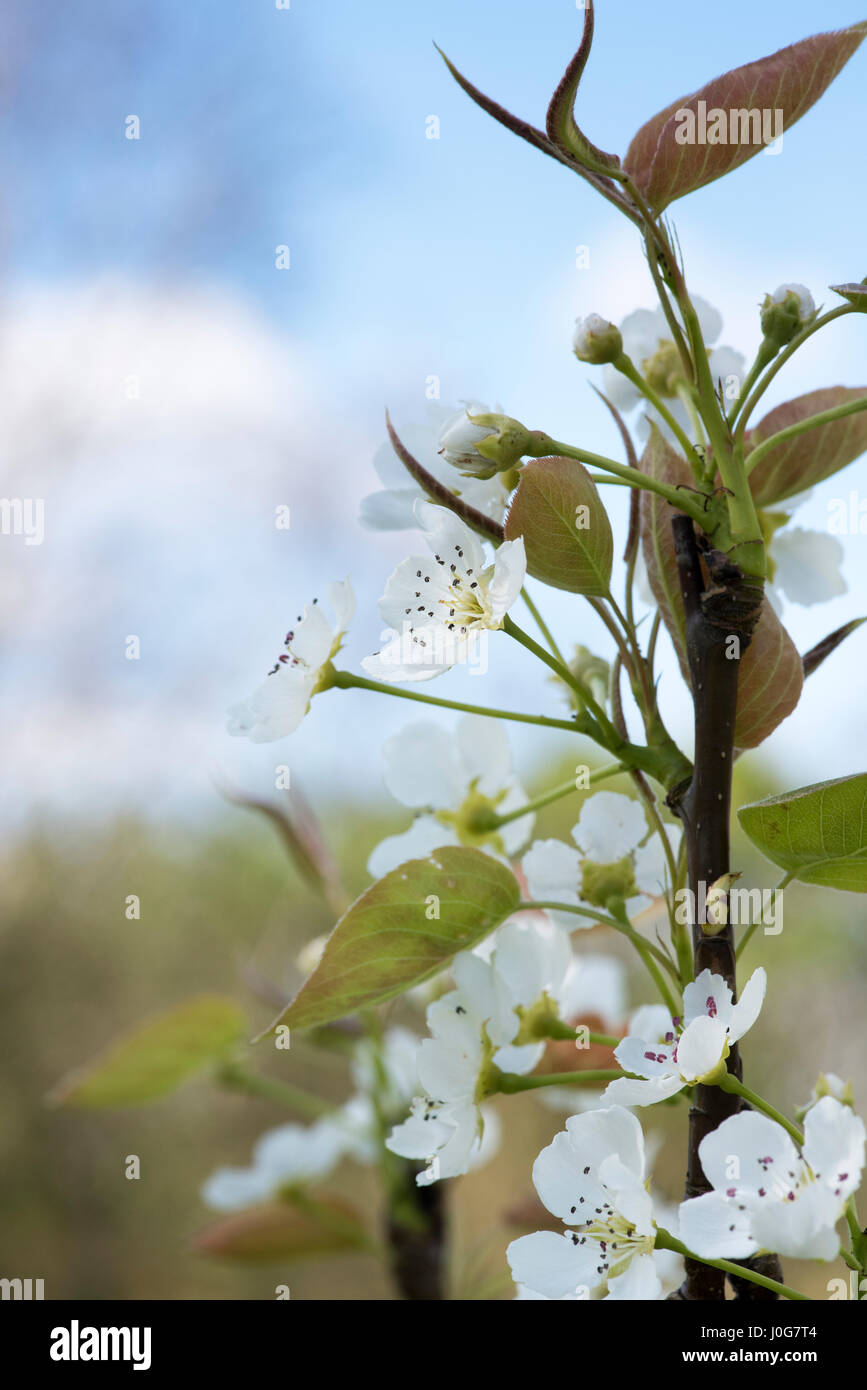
(616, 1239)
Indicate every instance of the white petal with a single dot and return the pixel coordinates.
(747, 1138)
(563, 1186)
(834, 1145)
(421, 839)
(486, 758)
(625, 1091)
(532, 957)
(391, 509)
(445, 1072)
(707, 995)
(745, 1012)
(276, 708)
(713, 1227)
(639, 1281)
(552, 1265)
(445, 533)
(652, 1021)
(232, 1189)
(613, 1130)
(510, 568)
(803, 1229)
(631, 1197)
(652, 1060)
(609, 827)
(594, 984)
(552, 872)
(423, 767)
(701, 1046)
(807, 566)
(709, 318)
(417, 1137)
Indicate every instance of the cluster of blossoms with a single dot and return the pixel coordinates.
(508, 993)
(525, 985)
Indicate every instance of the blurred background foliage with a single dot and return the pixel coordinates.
(223, 910)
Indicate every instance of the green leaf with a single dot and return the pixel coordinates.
(817, 834)
(157, 1057)
(666, 167)
(566, 531)
(391, 938)
(800, 463)
(284, 1231)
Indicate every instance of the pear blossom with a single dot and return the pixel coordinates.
(768, 1196)
(593, 1178)
(294, 1155)
(287, 1156)
(667, 1055)
(828, 1084)
(440, 608)
(449, 779)
(610, 860)
(278, 706)
(391, 509)
(647, 341)
(785, 312)
(494, 1019)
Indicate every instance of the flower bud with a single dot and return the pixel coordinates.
(481, 444)
(785, 312)
(596, 340)
(828, 1085)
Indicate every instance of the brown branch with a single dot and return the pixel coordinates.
(438, 492)
(719, 606)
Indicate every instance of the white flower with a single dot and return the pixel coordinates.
(609, 860)
(766, 1195)
(392, 508)
(647, 341)
(281, 702)
(476, 1027)
(450, 779)
(283, 1157)
(669, 1056)
(592, 1177)
(806, 303)
(440, 609)
(785, 312)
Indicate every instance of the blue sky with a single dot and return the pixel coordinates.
(409, 257)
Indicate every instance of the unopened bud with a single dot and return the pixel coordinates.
(596, 340)
(480, 443)
(828, 1084)
(717, 904)
(785, 312)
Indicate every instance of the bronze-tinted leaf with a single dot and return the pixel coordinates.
(660, 461)
(797, 464)
(566, 531)
(666, 167)
(283, 1231)
(769, 683)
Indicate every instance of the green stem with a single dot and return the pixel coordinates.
(666, 1241)
(765, 355)
(508, 1084)
(236, 1078)
(561, 1032)
(627, 367)
(783, 357)
(824, 417)
(345, 680)
(596, 775)
(678, 497)
(581, 690)
(737, 1088)
(649, 953)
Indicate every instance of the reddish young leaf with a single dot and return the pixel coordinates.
(665, 166)
(279, 1231)
(800, 463)
(660, 461)
(770, 681)
(566, 531)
